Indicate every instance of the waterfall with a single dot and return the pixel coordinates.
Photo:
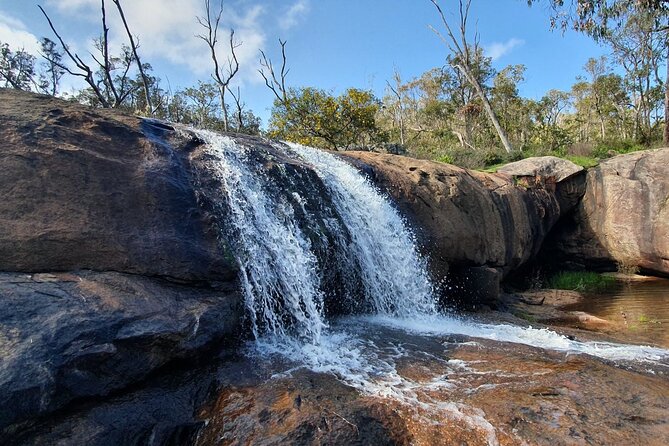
(313, 206)
(394, 276)
(279, 266)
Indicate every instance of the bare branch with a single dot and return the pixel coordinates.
(134, 46)
(107, 68)
(86, 71)
(276, 84)
(464, 58)
(211, 25)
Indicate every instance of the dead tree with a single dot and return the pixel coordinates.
(84, 70)
(211, 24)
(276, 84)
(464, 53)
(240, 108)
(399, 109)
(133, 45)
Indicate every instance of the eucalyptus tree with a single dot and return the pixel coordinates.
(465, 54)
(632, 27)
(17, 68)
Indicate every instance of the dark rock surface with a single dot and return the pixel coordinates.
(466, 218)
(91, 189)
(623, 217)
(67, 337)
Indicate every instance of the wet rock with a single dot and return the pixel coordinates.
(623, 217)
(94, 189)
(79, 336)
(466, 218)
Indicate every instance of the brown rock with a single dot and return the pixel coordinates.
(562, 176)
(94, 189)
(624, 215)
(542, 166)
(465, 218)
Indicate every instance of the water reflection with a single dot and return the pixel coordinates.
(641, 307)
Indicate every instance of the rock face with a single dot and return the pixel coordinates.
(466, 218)
(559, 175)
(623, 217)
(110, 268)
(84, 189)
(72, 336)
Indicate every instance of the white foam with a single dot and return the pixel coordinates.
(535, 337)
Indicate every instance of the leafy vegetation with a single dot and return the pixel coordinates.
(465, 112)
(585, 281)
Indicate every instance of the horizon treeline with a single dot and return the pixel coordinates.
(465, 112)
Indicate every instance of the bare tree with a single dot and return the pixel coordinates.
(84, 70)
(133, 45)
(276, 84)
(399, 107)
(240, 108)
(464, 53)
(211, 24)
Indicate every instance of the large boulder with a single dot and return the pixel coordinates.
(69, 336)
(623, 217)
(467, 218)
(93, 189)
(111, 270)
(559, 175)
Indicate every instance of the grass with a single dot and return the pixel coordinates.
(584, 281)
(493, 168)
(584, 161)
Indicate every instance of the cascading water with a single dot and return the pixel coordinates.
(281, 232)
(394, 276)
(277, 267)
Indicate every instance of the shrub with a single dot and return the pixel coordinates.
(612, 147)
(585, 281)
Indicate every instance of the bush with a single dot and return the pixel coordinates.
(585, 281)
(612, 147)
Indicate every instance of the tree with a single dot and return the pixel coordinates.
(17, 68)
(211, 23)
(53, 71)
(464, 60)
(605, 19)
(317, 118)
(202, 103)
(133, 46)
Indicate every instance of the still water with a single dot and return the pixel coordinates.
(640, 307)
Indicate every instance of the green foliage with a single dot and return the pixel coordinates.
(315, 117)
(583, 161)
(17, 68)
(585, 281)
(612, 147)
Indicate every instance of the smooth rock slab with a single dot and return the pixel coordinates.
(65, 337)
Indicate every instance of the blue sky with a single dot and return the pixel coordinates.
(332, 44)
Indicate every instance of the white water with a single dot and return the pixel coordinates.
(277, 267)
(394, 276)
(284, 295)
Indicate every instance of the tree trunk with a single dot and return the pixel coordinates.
(665, 136)
(488, 108)
(224, 108)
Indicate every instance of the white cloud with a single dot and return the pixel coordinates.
(15, 34)
(497, 50)
(167, 30)
(294, 14)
